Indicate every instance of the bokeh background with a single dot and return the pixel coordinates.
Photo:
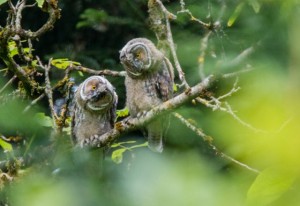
(188, 172)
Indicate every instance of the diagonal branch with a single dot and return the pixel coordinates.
(208, 140)
(135, 123)
(98, 72)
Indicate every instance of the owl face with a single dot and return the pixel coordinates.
(136, 57)
(97, 93)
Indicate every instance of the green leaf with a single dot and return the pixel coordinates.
(255, 5)
(123, 112)
(34, 63)
(175, 88)
(269, 186)
(80, 73)
(5, 145)
(40, 3)
(235, 14)
(117, 155)
(63, 63)
(3, 1)
(43, 120)
(12, 48)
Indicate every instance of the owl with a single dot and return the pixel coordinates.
(149, 82)
(94, 109)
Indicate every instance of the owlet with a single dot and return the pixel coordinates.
(149, 82)
(94, 109)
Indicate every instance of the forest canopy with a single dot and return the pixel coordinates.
(234, 122)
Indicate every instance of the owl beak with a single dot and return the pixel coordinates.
(98, 95)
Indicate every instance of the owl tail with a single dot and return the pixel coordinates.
(155, 136)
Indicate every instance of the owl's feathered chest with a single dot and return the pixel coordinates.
(88, 124)
(141, 94)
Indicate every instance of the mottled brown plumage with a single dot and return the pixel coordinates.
(149, 82)
(94, 109)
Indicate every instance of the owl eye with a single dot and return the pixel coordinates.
(93, 87)
(139, 55)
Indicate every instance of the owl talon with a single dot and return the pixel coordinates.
(141, 114)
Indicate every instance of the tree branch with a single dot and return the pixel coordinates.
(130, 124)
(208, 140)
(98, 72)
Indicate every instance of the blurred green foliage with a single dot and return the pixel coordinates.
(91, 33)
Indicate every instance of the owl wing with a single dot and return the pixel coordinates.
(165, 81)
(73, 122)
(113, 110)
(74, 114)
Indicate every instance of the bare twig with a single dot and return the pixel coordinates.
(207, 139)
(168, 15)
(36, 100)
(237, 73)
(98, 72)
(48, 92)
(187, 11)
(134, 123)
(240, 58)
(8, 83)
(234, 89)
(201, 59)
(229, 110)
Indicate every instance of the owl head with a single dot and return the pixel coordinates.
(139, 57)
(97, 94)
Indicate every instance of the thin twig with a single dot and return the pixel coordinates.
(240, 58)
(237, 73)
(8, 83)
(187, 11)
(207, 139)
(201, 59)
(229, 110)
(36, 100)
(172, 45)
(48, 92)
(234, 89)
(98, 72)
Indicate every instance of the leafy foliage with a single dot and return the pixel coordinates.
(63, 63)
(90, 33)
(117, 154)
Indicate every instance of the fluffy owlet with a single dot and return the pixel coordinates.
(95, 107)
(149, 82)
